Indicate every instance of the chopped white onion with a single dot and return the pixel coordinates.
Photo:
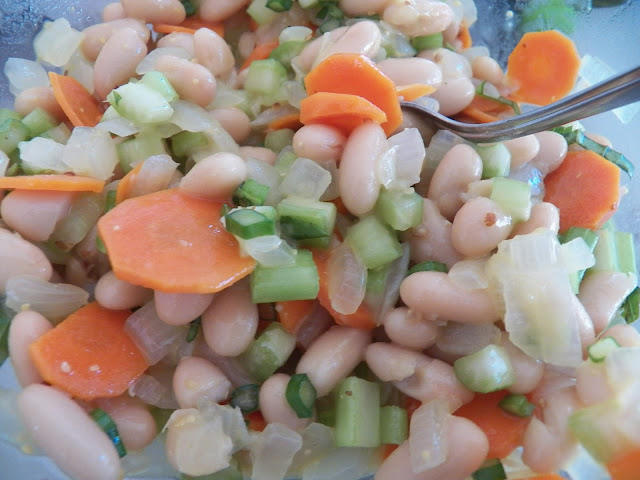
(333, 190)
(24, 74)
(623, 367)
(232, 369)
(148, 63)
(305, 179)
(57, 42)
(227, 97)
(233, 423)
(381, 304)
(154, 175)
(470, 274)
(386, 167)
(153, 337)
(466, 338)
(576, 255)
(343, 463)
(270, 114)
(312, 326)
(42, 155)
(153, 392)
(428, 435)
(440, 144)
(472, 53)
(81, 69)
(297, 33)
(317, 441)
(528, 173)
(91, 152)
(409, 158)
(269, 250)
(267, 175)
(347, 279)
(219, 140)
(73, 228)
(294, 92)
(272, 452)
(119, 126)
(55, 301)
(4, 163)
(189, 116)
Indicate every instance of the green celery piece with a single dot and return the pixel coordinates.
(189, 8)
(357, 413)
(496, 160)
(513, 196)
(539, 15)
(485, 371)
(394, 425)
(626, 253)
(278, 139)
(398, 209)
(302, 218)
(159, 82)
(299, 281)
(285, 52)
(138, 148)
(426, 42)
(373, 254)
(490, 470)
(250, 193)
(605, 252)
(12, 132)
(39, 121)
(268, 352)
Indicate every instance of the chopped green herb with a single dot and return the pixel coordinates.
(108, 426)
(430, 266)
(631, 306)
(279, 5)
(490, 470)
(246, 398)
(189, 8)
(194, 326)
(502, 100)
(517, 405)
(301, 395)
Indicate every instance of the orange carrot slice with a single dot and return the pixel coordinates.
(88, 354)
(80, 107)
(291, 121)
(464, 37)
(475, 115)
(585, 188)
(166, 28)
(413, 91)
(361, 318)
(261, 52)
(172, 242)
(543, 67)
(293, 312)
(550, 476)
(357, 75)
(190, 25)
(626, 466)
(255, 421)
(341, 110)
(123, 190)
(503, 430)
(58, 183)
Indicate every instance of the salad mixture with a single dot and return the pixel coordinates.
(221, 238)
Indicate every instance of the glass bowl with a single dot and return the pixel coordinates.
(609, 33)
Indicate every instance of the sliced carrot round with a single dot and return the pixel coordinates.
(357, 75)
(543, 67)
(415, 90)
(341, 110)
(59, 183)
(88, 354)
(172, 242)
(123, 190)
(80, 107)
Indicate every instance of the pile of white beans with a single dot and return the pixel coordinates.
(459, 223)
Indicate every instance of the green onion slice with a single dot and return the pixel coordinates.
(301, 395)
(502, 100)
(599, 350)
(250, 193)
(517, 405)
(247, 223)
(246, 398)
(631, 306)
(189, 7)
(430, 266)
(108, 426)
(279, 5)
(194, 326)
(491, 470)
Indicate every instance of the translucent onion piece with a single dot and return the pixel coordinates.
(297, 33)
(152, 392)
(623, 367)
(119, 126)
(269, 250)
(4, 163)
(381, 304)
(70, 230)
(466, 338)
(470, 274)
(312, 326)
(232, 369)
(386, 167)
(528, 173)
(153, 337)
(267, 175)
(57, 42)
(409, 158)
(55, 301)
(576, 255)
(533, 251)
(347, 280)
(24, 74)
(148, 63)
(219, 138)
(317, 441)
(42, 155)
(233, 423)
(305, 179)
(272, 452)
(189, 116)
(343, 463)
(294, 92)
(333, 190)
(228, 97)
(270, 114)
(472, 53)
(154, 175)
(427, 438)
(440, 144)
(91, 152)
(81, 69)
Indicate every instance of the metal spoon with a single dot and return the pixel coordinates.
(615, 92)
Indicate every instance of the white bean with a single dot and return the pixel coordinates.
(436, 297)
(116, 294)
(231, 321)
(479, 226)
(321, 143)
(97, 35)
(215, 177)
(66, 434)
(405, 71)
(332, 356)
(363, 37)
(452, 64)
(213, 52)
(310, 52)
(522, 149)
(113, 11)
(431, 240)
(196, 378)
(234, 121)
(25, 328)
(274, 405)
(467, 446)
(487, 69)
(136, 425)
(43, 97)
(592, 383)
(602, 293)
(118, 60)
(19, 257)
(543, 215)
(553, 149)
(192, 81)
(406, 327)
(219, 10)
(527, 370)
(178, 39)
(34, 213)
(625, 335)
(155, 11)
(358, 183)
(454, 95)
(585, 324)
(459, 167)
(543, 450)
(263, 154)
(180, 308)
(418, 17)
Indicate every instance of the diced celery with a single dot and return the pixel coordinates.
(250, 193)
(39, 121)
(278, 139)
(59, 134)
(265, 78)
(246, 223)
(626, 253)
(302, 218)
(285, 52)
(373, 243)
(260, 13)
(513, 196)
(185, 142)
(591, 239)
(71, 229)
(140, 103)
(318, 242)
(485, 371)
(6, 114)
(159, 82)
(517, 404)
(399, 209)
(605, 252)
(394, 425)
(490, 470)
(599, 350)
(12, 132)
(326, 410)
(357, 413)
(425, 42)
(285, 160)
(397, 45)
(139, 148)
(268, 352)
(496, 160)
(292, 282)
